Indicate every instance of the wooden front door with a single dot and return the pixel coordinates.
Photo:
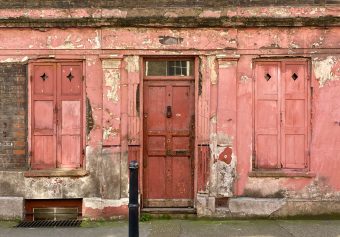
(56, 108)
(168, 143)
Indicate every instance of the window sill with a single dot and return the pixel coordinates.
(56, 173)
(281, 173)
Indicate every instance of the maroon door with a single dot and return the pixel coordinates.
(168, 143)
(57, 93)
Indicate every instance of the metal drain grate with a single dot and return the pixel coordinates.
(49, 224)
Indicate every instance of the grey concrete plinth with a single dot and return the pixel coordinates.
(11, 208)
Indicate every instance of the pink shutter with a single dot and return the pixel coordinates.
(70, 91)
(295, 115)
(43, 116)
(267, 115)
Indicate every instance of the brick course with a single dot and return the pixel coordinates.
(13, 116)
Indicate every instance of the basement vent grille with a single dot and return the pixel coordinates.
(49, 217)
(49, 224)
(55, 213)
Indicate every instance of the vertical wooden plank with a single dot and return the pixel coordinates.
(44, 116)
(294, 126)
(203, 167)
(267, 115)
(70, 117)
(203, 111)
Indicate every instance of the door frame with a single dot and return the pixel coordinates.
(30, 73)
(141, 99)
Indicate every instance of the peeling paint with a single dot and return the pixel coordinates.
(294, 46)
(210, 14)
(112, 80)
(212, 66)
(132, 63)
(13, 60)
(99, 203)
(323, 70)
(107, 132)
(222, 174)
(95, 42)
(244, 79)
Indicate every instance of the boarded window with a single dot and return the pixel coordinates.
(281, 115)
(57, 106)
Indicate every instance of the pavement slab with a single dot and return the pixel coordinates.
(189, 228)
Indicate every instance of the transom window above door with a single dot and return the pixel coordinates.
(157, 67)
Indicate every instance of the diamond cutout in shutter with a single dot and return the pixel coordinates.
(70, 76)
(294, 76)
(267, 76)
(44, 77)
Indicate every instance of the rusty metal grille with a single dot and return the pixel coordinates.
(49, 224)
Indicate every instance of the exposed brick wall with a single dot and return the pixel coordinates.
(153, 3)
(13, 116)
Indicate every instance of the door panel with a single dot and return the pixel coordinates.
(70, 118)
(44, 117)
(70, 134)
(70, 151)
(267, 115)
(168, 137)
(71, 77)
(295, 110)
(155, 177)
(44, 80)
(44, 152)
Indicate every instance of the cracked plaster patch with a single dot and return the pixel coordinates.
(112, 79)
(323, 70)
(132, 63)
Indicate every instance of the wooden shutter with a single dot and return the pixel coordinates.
(70, 115)
(43, 116)
(57, 119)
(267, 115)
(294, 140)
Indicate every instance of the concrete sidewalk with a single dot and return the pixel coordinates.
(190, 228)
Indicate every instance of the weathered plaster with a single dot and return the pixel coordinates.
(107, 132)
(112, 80)
(212, 66)
(132, 63)
(323, 69)
(222, 175)
(99, 203)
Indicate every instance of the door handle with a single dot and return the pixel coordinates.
(168, 112)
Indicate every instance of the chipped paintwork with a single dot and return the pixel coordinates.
(323, 70)
(244, 78)
(132, 63)
(210, 14)
(212, 66)
(222, 175)
(112, 80)
(107, 132)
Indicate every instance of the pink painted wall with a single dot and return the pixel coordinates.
(224, 104)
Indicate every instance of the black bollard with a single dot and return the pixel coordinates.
(133, 200)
